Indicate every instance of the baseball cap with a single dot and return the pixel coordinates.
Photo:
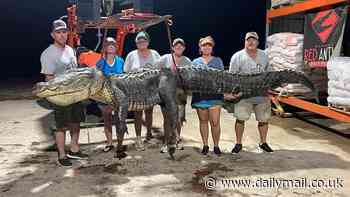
(206, 40)
(251, 35)
(179, 41)
(59, 25)
(142, 35)
(110, 40)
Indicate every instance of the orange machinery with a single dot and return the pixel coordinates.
(305, 6)
(126, 22)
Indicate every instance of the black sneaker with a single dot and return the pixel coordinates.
(77, 155)
(64, 162)
(217, 151)
(265, 147)
(205, 150)
(120, 154)
(237, 149)
(149, 137)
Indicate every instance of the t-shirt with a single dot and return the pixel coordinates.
(109, 69)
(167, 61)
(216, 63)
(134, 62)
(55, 60)
(242, 63)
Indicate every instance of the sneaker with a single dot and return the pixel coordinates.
(164, 149)
(64, 162)
(108, 148)
(179, 145)
(205, 150)
(77, 155)
(120, 154)
(265, 147)
(237, 149)
(149, 137)
(139, 145)
(217, 151)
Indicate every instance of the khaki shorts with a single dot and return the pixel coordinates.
(243, 110)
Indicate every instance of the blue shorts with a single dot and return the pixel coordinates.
(206, 104)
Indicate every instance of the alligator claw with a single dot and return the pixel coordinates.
(120, 155)
(171, 151)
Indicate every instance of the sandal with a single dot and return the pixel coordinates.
(108, 148)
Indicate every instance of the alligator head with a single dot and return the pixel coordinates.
(73, 86)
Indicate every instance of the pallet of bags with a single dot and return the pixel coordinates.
(338, 70)
(279, 3)
(285, 52)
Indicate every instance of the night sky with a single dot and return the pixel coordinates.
(25, 26)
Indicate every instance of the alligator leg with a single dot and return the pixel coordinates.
(120, 118)
(167, 92)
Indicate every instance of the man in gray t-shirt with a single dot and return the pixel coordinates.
(251, 60)
(55, 60)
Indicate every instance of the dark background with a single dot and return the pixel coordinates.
(25, 27)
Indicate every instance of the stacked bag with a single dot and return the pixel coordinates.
(338, 70)
(277, 3)
(285, 52)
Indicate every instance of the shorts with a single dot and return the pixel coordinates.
(206, 104)
(243, 110)
(74, 113)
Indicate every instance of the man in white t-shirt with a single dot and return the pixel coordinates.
(55, 60)
(251, 60)
(134, 61)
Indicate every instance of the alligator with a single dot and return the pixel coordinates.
(151, 86)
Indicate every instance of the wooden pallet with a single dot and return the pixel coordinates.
(340, 108)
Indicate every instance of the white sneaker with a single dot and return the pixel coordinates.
(164, 149)
(139, 144)
(179, 145)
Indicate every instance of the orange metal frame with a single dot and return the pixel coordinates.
(312, 107)
(301, 7)
(293, 101)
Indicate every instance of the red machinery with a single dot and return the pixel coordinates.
(126, 22)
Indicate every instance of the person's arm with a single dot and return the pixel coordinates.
(221, 64)
(99, 64)
(127, 63)
(196, 62)
(122, 63)
(234, 68)
(47, 66)
(156, 55)
(188, 62)
(234, 64)
(161, 62)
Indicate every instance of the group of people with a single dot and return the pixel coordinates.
(59, 57)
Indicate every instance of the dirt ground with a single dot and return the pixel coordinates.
(302, 152)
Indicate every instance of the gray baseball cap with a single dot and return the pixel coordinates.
(142, 35)
(59, 25)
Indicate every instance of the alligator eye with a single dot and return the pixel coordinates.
(53, 88)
